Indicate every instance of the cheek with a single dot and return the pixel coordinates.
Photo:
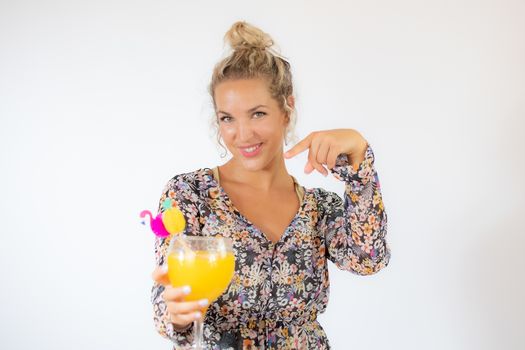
(272, 131)
(226, 132)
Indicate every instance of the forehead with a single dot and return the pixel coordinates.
(242, 94)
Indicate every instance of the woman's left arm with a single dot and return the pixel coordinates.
(355, 229)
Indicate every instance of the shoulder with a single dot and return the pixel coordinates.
(324, 201)
(324, 197)
(194, 180)
(191, 186)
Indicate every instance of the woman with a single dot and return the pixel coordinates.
(283, 233)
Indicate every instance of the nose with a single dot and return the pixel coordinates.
(244, 131)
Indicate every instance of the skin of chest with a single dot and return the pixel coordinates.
(271, 212)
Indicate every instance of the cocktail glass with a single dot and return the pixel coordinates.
(207, 265)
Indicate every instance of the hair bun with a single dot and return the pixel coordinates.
(243, 35)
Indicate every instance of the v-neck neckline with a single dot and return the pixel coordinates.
(236, 211)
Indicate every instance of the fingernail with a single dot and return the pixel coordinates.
(197, 315)
(203, 302)
(186, 290)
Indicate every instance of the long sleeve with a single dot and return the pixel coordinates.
(355, 229)
(186, 199)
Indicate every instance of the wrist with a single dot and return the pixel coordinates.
(359, 156)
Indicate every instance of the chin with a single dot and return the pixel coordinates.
(253, 164)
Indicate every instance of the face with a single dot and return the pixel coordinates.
(251, 123)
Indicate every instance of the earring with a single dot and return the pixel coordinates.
(225, 153)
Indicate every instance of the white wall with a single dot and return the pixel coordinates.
(101, 102)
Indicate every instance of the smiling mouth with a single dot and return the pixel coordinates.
(251, 151)
(252, 148)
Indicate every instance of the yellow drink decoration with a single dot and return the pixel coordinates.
(173, 220)
(207, 273)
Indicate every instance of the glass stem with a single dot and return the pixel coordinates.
(198, 340)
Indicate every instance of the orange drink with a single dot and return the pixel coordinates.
(208, 273)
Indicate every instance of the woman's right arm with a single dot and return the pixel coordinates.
(161, 314)
(185, 196)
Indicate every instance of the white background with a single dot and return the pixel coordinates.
(101, 102)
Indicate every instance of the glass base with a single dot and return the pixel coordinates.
(198, 341)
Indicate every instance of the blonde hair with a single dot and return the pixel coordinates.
(254, 57)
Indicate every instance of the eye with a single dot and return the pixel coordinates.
(225, 118)
(259, 114)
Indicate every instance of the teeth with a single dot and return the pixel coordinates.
(251, 149)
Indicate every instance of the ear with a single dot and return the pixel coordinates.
(291, 103)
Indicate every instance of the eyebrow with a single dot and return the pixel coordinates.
(250, 110)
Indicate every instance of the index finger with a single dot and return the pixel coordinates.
(301, 146)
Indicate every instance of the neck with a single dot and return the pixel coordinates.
(272, 176)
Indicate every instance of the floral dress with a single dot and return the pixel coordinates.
(279, 288)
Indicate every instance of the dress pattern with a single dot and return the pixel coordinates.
(279, 288)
